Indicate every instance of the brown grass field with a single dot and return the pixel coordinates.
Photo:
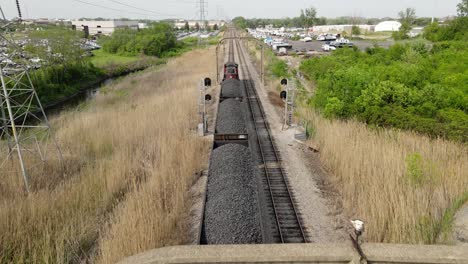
(130, 156)
(406, 187)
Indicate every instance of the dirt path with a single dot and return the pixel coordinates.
(323, 221)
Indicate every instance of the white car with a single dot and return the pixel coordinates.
(327, 47)
(321, 38)
(307, 39)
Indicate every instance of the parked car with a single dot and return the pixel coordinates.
(328, 47)
(321, 37)
(330, 37)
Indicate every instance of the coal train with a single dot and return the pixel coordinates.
(231, 213)
(231, 71)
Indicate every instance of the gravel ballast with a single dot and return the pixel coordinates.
(231, 88)
(230, 118)
(231, 210)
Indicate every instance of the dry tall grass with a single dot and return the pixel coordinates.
(401, 184)
(130, 155)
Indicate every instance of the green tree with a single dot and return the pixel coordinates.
(186, 26)
(407, 16)
(197, 27)
(153, 41)
(215, 27)
(355, 31)
(308, 17)
(321, 21)
(240, 22)
(462, 8)
(407, 19)
(403, 32)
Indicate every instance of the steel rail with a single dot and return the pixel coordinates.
(249, 83)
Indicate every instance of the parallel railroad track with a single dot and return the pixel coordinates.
(281, 208)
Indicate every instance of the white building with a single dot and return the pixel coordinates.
(104, 27)
(340, 28)
(180, 24)
(388, 26)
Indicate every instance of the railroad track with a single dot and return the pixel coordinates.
(279, 200)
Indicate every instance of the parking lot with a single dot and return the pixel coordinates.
(317, 45)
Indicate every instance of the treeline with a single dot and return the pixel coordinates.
(412, 86)
(158, 40)
(455, 30)
(299, 22)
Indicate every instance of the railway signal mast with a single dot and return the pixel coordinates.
(25, 134)
(288, 95)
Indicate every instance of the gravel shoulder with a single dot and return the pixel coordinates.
(460, 226)
(321, 215)
(198, 190)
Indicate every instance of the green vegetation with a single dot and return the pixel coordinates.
(65, 69)
(407, 19)
(308, 17)
(158, 40)
(462, 8)
(242, 22)
(101, 59)
(408, 86)
(454, 30)
(446, 223)
(355, 30)
(275, 66)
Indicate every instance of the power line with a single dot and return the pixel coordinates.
(141, 9)
(114, 9)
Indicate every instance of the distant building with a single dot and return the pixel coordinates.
(416, 31)
(388, 26)
(47, 21)
(104, 27)
(142, 25)
(180, 24)
(340, 28)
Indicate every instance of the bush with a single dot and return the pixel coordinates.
(408, 86)
(279, 68)
(153, 41)
(57, 81)
(454, 30)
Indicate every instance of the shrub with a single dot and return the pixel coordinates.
(408, 86)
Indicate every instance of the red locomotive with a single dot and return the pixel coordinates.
(231, 71)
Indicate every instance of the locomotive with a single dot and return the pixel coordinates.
(231, 71)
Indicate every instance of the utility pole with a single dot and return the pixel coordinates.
(23, 122)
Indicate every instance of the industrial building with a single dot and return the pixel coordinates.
(388, 26)
(340, 28)
(105, 27)
(180, 24)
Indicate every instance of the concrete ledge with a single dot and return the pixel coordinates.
(303, 253)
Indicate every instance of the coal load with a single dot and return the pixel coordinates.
(231, 88)
(231, 210)
(230, 118)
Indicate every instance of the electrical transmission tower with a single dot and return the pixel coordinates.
(26, 140)
(203, 23)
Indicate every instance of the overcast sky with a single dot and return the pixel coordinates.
(158, 9)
